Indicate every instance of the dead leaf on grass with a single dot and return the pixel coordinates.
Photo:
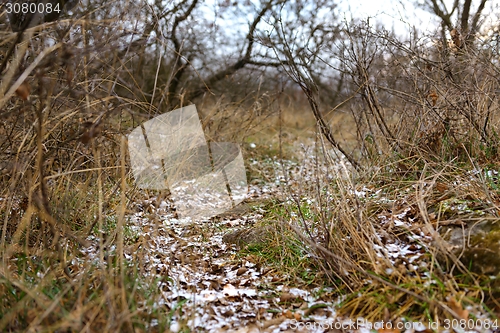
(457, 308)
(289, 298)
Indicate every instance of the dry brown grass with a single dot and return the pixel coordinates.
(64, 178)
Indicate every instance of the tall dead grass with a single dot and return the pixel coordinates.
(427, 118)
(66, 104)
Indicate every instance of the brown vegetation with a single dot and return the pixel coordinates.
(421, 117)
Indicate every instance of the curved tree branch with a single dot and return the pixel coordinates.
(246, 59)
(179, 66)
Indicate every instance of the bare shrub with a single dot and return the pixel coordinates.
(422, 106)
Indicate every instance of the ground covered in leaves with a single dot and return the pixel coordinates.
(214, 275)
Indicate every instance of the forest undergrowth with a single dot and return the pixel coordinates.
(374, 192)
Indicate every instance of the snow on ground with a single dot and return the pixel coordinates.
(209, 289)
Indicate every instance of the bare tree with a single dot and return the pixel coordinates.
(461, 17)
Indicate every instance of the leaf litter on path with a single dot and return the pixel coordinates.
(208, 288)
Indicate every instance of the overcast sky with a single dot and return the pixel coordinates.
(394, 13)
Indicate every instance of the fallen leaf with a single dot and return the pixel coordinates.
(458, 309)
(241, 270)
(23, 91)
(288, 297)
(288, 314)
